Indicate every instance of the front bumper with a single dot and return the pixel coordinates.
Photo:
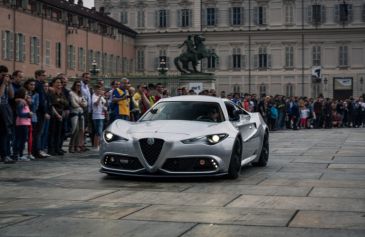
(174, 160)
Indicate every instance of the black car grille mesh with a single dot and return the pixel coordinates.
(191, 164)
(122, 162)
(151, 151)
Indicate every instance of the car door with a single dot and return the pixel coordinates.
(246, 127)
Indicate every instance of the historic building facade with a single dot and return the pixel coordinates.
(265, 46)
(63, 37)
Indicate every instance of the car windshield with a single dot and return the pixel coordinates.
(185, 110)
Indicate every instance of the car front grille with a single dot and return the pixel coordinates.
(151, 149)
(122, 162)
(191, 164)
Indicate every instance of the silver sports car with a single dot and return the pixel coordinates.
(186, 136)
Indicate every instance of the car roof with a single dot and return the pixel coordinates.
(201, 98)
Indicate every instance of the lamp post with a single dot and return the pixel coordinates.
(94, 70)
(162, 68)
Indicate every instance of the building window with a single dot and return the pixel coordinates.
(162, 18)
(211, 16)
(236, 89)
(118, 65)
(7, 42)
(58, 55)
(34, 50)
(260, 15)
(289, 88)
(104, 65)
(81, 58)
(111, 63)
(316, 56)
(90, 58)
(262, 89)
(211, 60)
(140, 18)
(289, 14)
(47, 57)
(316, 14)
(124, 17)
(363, 13)
(184, 17)
(343, 53)
(125, 67)
(343, 13)
(71, 57)
(236, 57)
(289, 57)
(20, 47)
(236, 16)
(263, 58)
(98, 59)
(140, 60)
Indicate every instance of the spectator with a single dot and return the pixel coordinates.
(58, 103)
(23, 124)
(78, 104)
(121, 99)
(87, 92)
(99, 110)
(29, 86)
(43, 141)
(42, 113)
(6, 115)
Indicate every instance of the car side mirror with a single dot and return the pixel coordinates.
(236, 115)
(245, 116)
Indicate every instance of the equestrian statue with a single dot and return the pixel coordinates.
(195, 52)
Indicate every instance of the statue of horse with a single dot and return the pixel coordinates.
(187, 57)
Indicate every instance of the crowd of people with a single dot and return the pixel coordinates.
(43, 113)
(40, 114)
(281, 112)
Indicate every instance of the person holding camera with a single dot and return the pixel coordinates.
(98, 116)
(6, 115)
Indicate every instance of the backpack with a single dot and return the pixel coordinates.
(273, 112)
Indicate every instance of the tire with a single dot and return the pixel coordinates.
(235, 162)
(264, 155)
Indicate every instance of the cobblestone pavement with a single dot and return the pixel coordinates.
(313, 186)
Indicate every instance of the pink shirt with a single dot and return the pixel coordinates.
(24, 121)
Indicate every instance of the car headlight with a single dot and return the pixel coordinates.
(210, 139)
(216, 138)
(110, 137)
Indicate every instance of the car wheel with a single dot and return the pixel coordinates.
(235, 162)
(264, 156)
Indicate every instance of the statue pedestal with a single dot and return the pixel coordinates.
(198, 81)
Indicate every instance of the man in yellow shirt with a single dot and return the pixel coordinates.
(121, 99)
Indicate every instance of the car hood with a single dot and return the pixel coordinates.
(165, 128)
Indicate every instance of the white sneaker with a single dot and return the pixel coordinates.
(31, 157)
(23, 158)
(96, 149)
(42, 153)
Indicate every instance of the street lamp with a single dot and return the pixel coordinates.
(162, 68)
(325, 80)
(94, 70)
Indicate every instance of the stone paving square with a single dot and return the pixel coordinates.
(313, 186)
